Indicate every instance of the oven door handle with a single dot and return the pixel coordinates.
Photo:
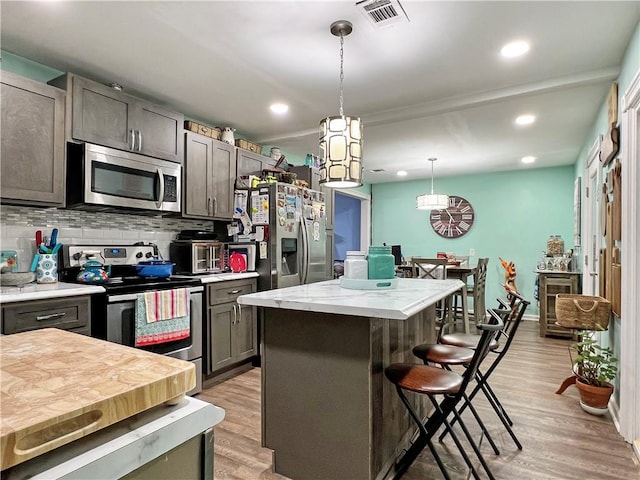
(134, 296)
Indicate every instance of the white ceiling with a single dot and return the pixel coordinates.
(435, 86)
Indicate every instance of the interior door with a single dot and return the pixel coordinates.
(592, 238)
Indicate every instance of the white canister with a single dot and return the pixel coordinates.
(356, 266)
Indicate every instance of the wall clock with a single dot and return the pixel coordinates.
(454, 221)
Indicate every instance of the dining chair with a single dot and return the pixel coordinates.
(450, 386)
(434, 268)
(476, 292)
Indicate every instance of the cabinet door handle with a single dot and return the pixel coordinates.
(51, 316)
(209, 206)
(139, 141)
(133, 139)
(233, 292)
(215, 206)
(239, 313)
(235, 316)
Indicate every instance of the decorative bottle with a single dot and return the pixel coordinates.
(355, 265)
(381, 263)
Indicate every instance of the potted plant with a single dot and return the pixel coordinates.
(595, 367)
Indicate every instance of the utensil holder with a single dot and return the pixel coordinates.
(47, 269)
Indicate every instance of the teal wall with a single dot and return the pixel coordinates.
(27, 68)
(515, 212)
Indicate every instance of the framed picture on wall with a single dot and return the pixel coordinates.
(576, 211)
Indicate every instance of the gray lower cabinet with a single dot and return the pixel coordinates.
(249, 163)
(106, 116)
(232, 332)
(68, 313)
(209, 170)
(32, 142)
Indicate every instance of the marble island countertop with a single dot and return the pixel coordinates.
(410, 297)
(36, 291)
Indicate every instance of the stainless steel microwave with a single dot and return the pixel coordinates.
(101, 178)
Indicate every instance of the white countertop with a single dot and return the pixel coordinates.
(410, 297)
(36, 291)
(121, 448)
(224, 277)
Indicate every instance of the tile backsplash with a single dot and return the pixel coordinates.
(18, 226)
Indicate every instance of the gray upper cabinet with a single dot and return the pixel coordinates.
(208, 178)
(32, 142)
(250, 163)
(105, 116)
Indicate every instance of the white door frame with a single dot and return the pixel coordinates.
(590, 231)
(365, 215)
(629, 365)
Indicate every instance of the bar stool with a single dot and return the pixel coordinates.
(511, 314)
(434, 381)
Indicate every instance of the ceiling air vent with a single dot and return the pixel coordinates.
(383, 13)
(377, 170)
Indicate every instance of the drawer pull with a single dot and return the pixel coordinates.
(40, 318)
(233, 292)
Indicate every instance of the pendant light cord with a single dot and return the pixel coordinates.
(341, 73)
(431, 160)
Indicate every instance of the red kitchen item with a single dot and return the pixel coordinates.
(238, 262)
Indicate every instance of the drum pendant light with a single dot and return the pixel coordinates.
(341, 136)
(432, 201)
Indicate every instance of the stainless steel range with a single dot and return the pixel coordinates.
(115, 315)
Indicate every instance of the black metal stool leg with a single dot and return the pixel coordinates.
(466, 458)
(473, 445)
(482, 426)
(418, 445)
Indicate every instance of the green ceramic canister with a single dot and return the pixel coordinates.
(381, 263)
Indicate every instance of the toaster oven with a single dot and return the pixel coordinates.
(194, 257)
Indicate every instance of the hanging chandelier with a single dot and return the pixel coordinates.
(432, 201)
(341, 136)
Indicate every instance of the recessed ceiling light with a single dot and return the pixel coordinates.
(279, 108)
(401, 173)
(526, 119)
(515, 49)
(528, 159)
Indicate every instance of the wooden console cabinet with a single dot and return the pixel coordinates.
(550, 284)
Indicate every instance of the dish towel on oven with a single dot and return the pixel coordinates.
(162, 316)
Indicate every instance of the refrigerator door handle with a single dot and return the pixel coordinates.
(305, 251)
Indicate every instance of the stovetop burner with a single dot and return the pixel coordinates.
(121, 260)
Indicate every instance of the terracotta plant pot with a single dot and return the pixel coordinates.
(596, 397)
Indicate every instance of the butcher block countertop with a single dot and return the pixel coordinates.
(58, 386)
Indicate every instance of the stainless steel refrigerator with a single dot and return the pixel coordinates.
(289, 225)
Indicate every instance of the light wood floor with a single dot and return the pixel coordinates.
(560, 440)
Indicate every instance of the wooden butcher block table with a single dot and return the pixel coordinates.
(57, 386)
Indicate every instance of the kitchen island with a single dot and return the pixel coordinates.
(327, 409)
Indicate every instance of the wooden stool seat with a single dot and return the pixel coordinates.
(466, 340)
(443, 354)
(424, 378)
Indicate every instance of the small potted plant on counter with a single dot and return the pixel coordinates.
(595, 367)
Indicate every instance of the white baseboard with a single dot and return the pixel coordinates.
(531, 318)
